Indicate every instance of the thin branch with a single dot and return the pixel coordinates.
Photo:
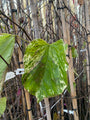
(76, 19)
(4, 60)
(16, 24)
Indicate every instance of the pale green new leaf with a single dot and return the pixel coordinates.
(6, 49)
(74, 52)
(2, 105)
(45, 68)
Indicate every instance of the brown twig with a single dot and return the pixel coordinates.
(15, 24)
(4, 60)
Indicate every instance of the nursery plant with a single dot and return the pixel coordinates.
(7, 42)
(45, 68)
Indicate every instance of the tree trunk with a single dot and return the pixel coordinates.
(75, 6)
(35, 19)
(0, 4)
(28, 12)
(88, 48)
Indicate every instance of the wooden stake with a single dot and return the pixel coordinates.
(20, 59)
(47, 108)
(88, 48)
(66, 37)
(28, 104)
(35, 18)
(62, 113)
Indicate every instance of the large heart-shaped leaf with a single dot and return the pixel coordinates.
(6, 50)
(45, 68)
(2, 105)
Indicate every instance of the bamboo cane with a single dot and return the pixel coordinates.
(66, 37)
(47, 108)
(37, 35)
(20, 57)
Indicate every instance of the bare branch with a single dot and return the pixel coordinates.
(16, 24)
(4, 60)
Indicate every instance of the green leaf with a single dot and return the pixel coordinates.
(84, 45)
(2, 105)
(45, 68)
(68, 88)
(11, 26)
(74, 52)
(74, 84)
(6, 50)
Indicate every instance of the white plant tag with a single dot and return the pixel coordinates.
(19, 71)
(9, 75)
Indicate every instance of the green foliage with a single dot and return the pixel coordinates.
(84, 62)
(55, 116)
(84, 45)
(3, 27)
(11, 26)
(74, 52)
(6, 50)
(74, 84)
(2, 105)
(45, 68)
